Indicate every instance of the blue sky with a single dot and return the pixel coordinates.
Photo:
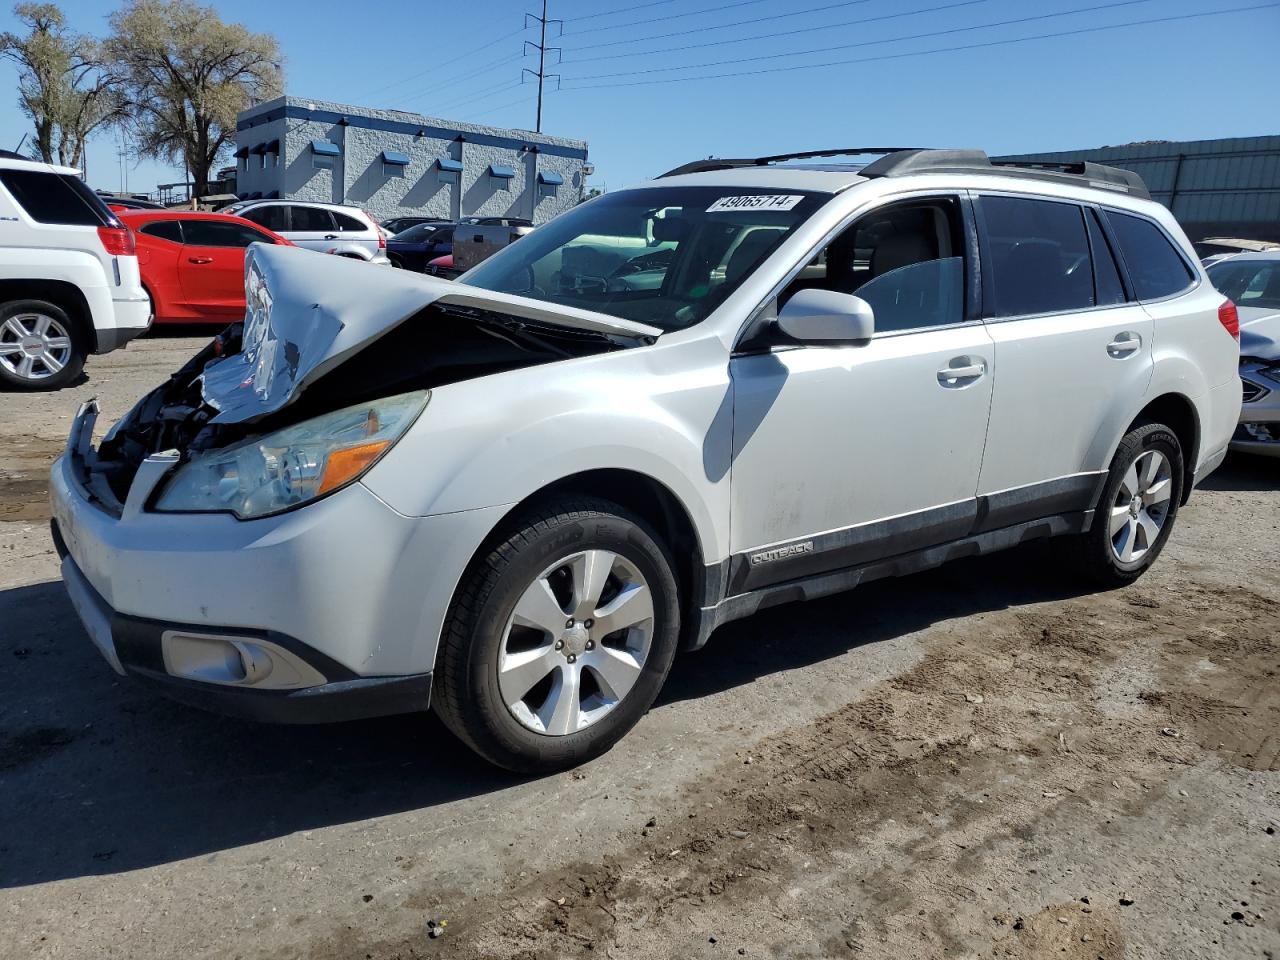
(1169, 80)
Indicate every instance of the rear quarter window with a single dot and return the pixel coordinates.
(1156, 268)
(349, 224)
(56, 198)
(170, 230)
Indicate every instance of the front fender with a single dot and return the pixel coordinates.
(665, 413)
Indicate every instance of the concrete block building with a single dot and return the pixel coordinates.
(392, 163)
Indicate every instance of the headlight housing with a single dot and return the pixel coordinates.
(281, 470)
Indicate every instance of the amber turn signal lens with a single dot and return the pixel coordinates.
(347, 464)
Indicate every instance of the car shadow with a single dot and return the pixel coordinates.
(800, 634)
(1243, 471)
(99, 775)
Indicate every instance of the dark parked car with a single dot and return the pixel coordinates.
(400, 224)
(498, 221)
(415, 247)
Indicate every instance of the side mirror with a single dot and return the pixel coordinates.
(825, 316)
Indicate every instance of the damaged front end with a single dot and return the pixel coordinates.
(333, 363)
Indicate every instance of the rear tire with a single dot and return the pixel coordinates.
(41, 347)
(1137, 510)
(529, 673)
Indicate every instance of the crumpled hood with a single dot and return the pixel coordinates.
(306, 313)
(1259, 333)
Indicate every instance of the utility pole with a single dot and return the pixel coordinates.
(542, 48)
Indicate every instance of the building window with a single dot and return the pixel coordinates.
(394, 163)
(448, 170)
(321, 161)
(500, 176)
(548, 183)
(324, 154)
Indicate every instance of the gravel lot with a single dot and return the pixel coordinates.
(981, 761)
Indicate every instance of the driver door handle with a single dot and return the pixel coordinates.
(199, 259)
(331, 236)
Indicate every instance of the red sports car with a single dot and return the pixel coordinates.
(193, 263)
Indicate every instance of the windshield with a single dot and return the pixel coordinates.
(664, 257)
(1249, 283)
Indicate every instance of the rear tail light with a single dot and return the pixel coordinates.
(118, 240)
(377, 228)
(1229, 318)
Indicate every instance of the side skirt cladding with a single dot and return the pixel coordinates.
(840, 560)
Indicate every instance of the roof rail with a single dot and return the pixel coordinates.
(904, 161)
(718, 163)
(976, 161)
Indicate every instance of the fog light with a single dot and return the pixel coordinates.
(235, 661)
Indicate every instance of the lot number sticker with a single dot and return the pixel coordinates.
(755, 202)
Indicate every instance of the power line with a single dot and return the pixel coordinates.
(523, 101)
(721, 26)
(924, 53)
(681, 16)
(614, 13)
(439, 66)
(825, 27)
(866, 43)
(435, 89)
(542, 48)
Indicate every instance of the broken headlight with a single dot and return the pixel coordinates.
(268, 474)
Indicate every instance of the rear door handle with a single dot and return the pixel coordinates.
(1125, 344)
(962, 371)
(199, 259)
(331, 236)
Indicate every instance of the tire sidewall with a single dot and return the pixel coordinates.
(1136, 443)
(79, 346)
(504, 739)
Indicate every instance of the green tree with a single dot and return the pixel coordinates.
(62, 85)
(187, 74)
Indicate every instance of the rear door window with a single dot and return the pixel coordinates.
(1038, 256)
(218, 233)
(310, 218)
(1156, 269)
(272, 217)
(170, 230)
(56, 198)
(349, 224)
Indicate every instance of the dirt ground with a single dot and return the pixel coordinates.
(978, 762)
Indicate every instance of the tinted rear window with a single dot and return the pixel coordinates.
(164, 229)
(1155, 266)
(310, 218)
(219, 233)
(349, 224)
(56, 198)
(1039, 256)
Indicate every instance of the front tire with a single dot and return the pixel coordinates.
(1136, 512)
(41, 348)
(559, 637)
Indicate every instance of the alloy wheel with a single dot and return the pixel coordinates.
(34, 346)
(1141, 507)
(576, 643)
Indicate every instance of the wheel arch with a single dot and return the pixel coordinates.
(641, 494)
(62, 293)
(1179, 414)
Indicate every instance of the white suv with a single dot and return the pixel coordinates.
(69, 282)
(518, 495)
(326, 227)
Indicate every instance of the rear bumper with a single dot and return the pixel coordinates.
(134, 647)
(133, 318)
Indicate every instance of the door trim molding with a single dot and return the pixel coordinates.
(866, 543)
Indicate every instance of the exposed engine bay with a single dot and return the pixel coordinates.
(442, 344)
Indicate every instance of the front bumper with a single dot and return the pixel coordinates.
(134, 647)
(1259, 429)
(353, 593)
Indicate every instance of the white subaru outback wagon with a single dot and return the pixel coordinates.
(513, 498)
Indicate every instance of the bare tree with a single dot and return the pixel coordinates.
(186, 75)
(62, 85)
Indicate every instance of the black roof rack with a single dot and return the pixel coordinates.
(904, 161)
(725, 163)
